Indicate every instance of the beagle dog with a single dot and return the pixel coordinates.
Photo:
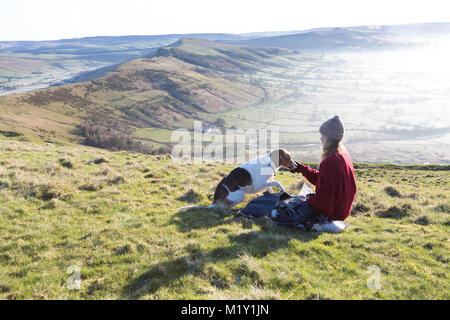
(252, 177)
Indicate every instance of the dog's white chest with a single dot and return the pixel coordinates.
(261, 173)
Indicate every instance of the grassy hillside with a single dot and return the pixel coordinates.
(114, 215)
(31, 65)
(191, 79)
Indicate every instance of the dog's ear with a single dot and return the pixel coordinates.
(280, 157)
(285, 155)
(285, 158)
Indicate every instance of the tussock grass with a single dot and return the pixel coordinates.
(67, 163)
(124, 232)
(93, 186)
(100, 160)
(423, 220)
(359, 208)
(442, 207)
(392, 191)
(396, 212)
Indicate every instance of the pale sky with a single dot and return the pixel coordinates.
(56, 19)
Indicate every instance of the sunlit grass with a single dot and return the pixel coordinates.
(115, 216)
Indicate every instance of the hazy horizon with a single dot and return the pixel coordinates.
(25, 20)
(242, 33)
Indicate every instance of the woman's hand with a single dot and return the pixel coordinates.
(296, 169)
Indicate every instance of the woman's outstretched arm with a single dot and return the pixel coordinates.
(309, 173)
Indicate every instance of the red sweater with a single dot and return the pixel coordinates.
(335, 186)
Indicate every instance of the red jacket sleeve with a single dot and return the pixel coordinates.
(322, 202)
(309, 173)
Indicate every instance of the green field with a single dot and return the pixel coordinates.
(154, 134)
(114, 216)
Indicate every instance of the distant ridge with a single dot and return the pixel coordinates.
(354, 38)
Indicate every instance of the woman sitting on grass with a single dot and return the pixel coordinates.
(335, 180)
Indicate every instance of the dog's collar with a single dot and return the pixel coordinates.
(272, 166)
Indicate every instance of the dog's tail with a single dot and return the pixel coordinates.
(211, 206)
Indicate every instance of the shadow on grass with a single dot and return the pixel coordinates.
(200, 218)
(191, 197)
(270, 238)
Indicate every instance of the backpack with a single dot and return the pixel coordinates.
(292, 210)
(261, 206)
(282, 208)
(289, 210)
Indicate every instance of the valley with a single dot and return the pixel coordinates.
(394, 103)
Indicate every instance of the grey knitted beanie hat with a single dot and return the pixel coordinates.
(333, 128)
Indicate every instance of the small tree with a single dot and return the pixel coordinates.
(220, 123)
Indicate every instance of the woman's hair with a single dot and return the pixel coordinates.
(330, 147)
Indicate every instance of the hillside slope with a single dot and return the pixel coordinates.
(31, 65)
(113, 216)
(190, 79)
